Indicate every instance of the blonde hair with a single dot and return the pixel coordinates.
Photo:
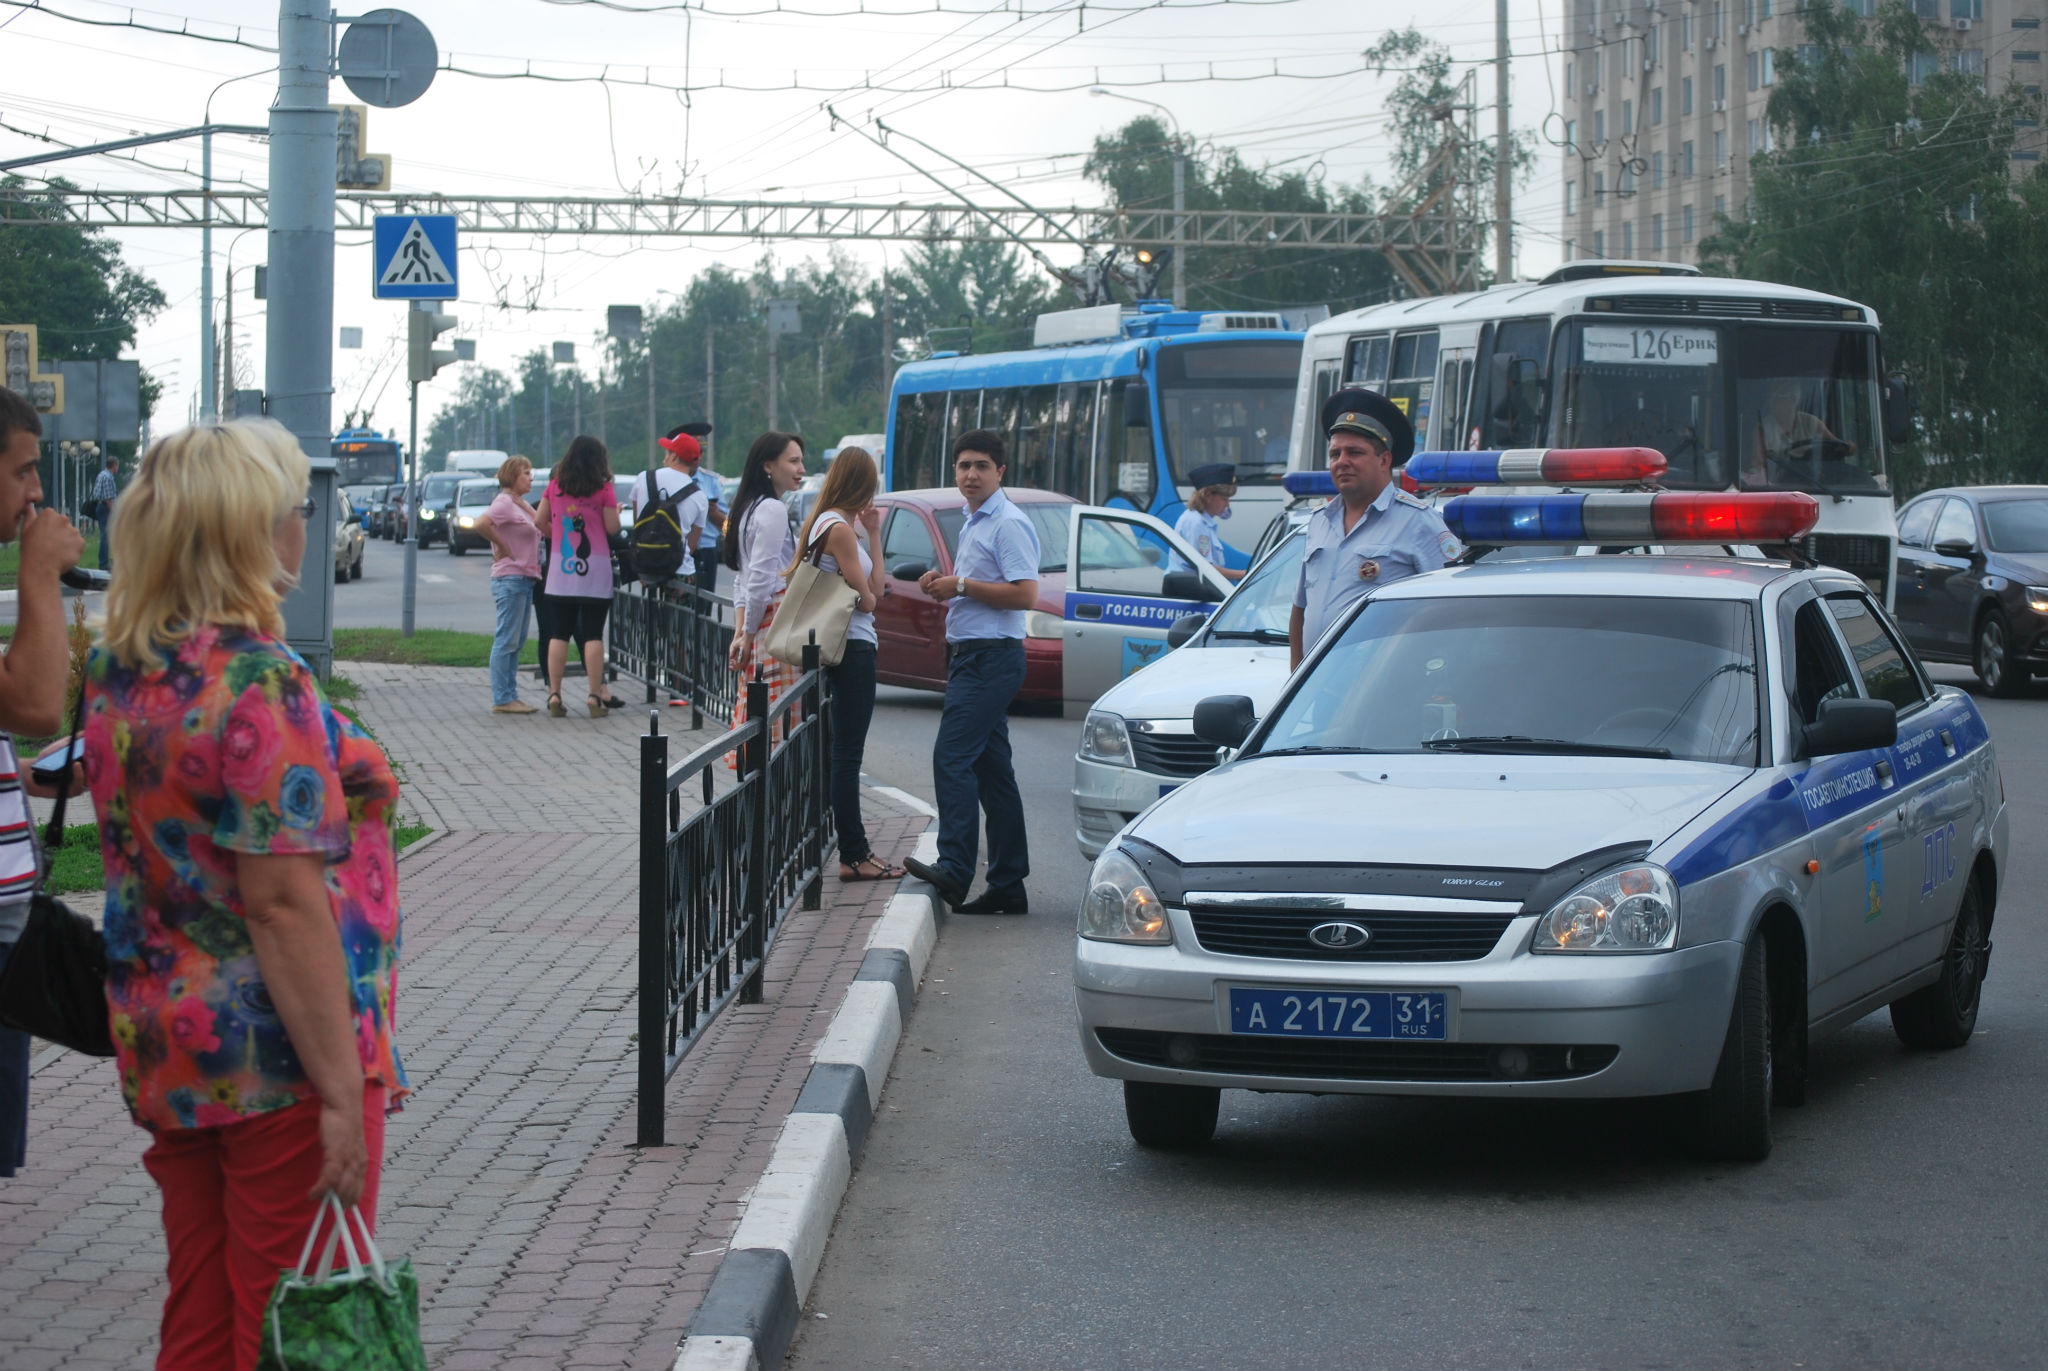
(195, 533)
(509, 469)
(850, 484)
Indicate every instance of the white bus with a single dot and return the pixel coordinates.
(1742, 385)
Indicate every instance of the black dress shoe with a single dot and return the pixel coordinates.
(950, 890)
(1011, 901)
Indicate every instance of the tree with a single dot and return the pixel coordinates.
(1892, 184)
(72, 284)
(948, 295)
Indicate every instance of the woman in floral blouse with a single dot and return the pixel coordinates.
(252, 905)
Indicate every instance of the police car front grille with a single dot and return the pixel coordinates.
(1172, 754)
(1863, 555)
(1232, 1054)
(1396, 936)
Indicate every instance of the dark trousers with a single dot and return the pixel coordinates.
(13, 1092)
(706, 575)
(106, 550)
(971, 773)
(853, 706)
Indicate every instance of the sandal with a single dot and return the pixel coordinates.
(555, 705)
(596, 707)
(869, 868)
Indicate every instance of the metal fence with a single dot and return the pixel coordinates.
(675, 639)
(716, 883)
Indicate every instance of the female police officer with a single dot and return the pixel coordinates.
(1373, 532)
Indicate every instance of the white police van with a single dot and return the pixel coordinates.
(1569, 827)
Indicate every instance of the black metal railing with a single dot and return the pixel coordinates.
(717, 882)
(675, 638)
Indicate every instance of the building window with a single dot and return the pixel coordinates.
(1720, 206)
(1720, 149)
(1628, 117)
(1861, 7)
(1970, 62)
(1685, 160)
(1628, 238)
(1756, 140)
(1625, 184)
(1599, 185)
(2029, 22)
(1599, 127)
(1656, 233)
(1599, 242)
(1685, 96)
(1685, 222)
(1571, 197)
(1922, 65)
(2026, 156)
(1966, 9)
(1927, 9)
(1656, 171)
(1809, 55)
(1571, 135)
(1685, 31)
(2026, 57)
(1770, 66)
(1571, 249)
(1657, 106)
(1755, 62)
(1763, 9)
(1721, 83)
(1571, 76)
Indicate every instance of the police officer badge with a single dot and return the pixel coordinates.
(1368, 569)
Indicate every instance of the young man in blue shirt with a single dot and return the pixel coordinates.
(994, 581)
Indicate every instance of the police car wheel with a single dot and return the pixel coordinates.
(1944, 1015)
(1732, 1117)
(1173, 1118)
(1993, 660)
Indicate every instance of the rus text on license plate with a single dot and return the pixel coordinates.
(1419, 1015)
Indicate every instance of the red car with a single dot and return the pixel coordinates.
(920, 531)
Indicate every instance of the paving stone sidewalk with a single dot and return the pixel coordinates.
(542, 1237)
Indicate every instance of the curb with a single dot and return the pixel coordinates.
(418, 844)
(749, 1314)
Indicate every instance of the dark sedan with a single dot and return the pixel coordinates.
(1973, 581)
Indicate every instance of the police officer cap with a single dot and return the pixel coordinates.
(1215, 474)
(1358, 410)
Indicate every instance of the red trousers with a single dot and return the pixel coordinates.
(236, 1213)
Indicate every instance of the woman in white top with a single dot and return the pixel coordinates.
(758, 545)
(830, 536)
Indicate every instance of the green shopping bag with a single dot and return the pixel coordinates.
(361, 1318)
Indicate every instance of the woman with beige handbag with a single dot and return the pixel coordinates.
(827, 594)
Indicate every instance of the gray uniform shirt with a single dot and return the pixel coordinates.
(1398, 534)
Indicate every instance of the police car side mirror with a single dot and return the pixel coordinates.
(1225, 720)
(1847, 726)
(908, 571)
(1189, 585)
(1184, 628)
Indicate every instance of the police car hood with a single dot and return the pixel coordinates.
(1430, 810)
(1171, 687)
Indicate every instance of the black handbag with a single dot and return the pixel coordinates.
(54, 985)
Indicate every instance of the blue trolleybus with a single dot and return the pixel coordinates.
(365, 457)
(1114, 406)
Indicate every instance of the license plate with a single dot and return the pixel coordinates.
(1415, 1015)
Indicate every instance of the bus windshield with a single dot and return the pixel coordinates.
(365, 461)
(1229, 402)
(1802, 400)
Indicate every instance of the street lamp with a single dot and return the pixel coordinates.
(1180, 178)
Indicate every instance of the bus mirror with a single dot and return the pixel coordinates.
(1137, 405)
(1898, 409)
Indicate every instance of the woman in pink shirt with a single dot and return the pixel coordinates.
(580, 511)
(508, 524)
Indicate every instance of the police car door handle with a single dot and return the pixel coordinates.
(1884, 774)
(1087, 611)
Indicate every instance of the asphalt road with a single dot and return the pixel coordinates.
(1001, 1216)
(452, 592)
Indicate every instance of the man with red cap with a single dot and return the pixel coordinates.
(714, 495)
(678, 472)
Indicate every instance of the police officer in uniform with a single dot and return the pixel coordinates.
(1201, 522)
(1373, 532)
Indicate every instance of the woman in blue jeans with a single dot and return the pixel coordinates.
(509, 526)
(831, 537)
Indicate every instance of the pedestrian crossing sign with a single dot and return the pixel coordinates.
(414, 257)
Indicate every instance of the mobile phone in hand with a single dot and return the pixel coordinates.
(50, 768)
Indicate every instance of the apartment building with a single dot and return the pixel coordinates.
(1664, 106)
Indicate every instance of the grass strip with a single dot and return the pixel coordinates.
(426, 647)
(75, 867)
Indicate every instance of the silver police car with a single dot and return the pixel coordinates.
(1573, 827)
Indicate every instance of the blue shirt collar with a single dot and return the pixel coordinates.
(995, 504)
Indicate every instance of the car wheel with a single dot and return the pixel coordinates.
(1732, 1117)
(1944, 1014)
(355, 572)
(2001, 673)
(1173, 1118)
(455, 547)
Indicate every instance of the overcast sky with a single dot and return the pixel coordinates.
(81, 84)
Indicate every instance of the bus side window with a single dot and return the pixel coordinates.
(1411, 382)
(914, 456)
(1075, 440)
(1365, 362)
(1127, 467)
(1031, 450)
(963, 412)
(1317, 458)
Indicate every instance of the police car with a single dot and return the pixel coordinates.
(1567, 827)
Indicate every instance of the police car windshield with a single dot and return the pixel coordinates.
(1257, 610)
(1599, 675)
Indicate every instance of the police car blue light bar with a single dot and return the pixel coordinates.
(1557, 466)
(1305, 483)
(1659, 517)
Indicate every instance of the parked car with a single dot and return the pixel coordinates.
(348, 539)
(471, 499)
(1972, 582)
(437, 501)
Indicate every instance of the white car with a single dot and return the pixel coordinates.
(1138, 742)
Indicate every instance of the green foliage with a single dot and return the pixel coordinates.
(76, 866)
(73, 285)
(1900, 194)
(426, 647)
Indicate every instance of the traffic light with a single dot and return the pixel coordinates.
(423, 358)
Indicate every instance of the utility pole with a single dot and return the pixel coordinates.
(207, 386)
(710, 383)
(298, 352)
(227, 354)
(771, 374)
(1180, 235)
(547, 409)
(1503, 218)
(888, 345)
(653, 430)
(575, 403)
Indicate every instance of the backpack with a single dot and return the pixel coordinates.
(656, 544)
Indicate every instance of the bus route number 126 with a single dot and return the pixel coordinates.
(1667, 347)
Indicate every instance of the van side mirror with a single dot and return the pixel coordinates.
(1845, 726)
(1184, 628)
(1225, 720)
(1137, 405)
(1898, 409)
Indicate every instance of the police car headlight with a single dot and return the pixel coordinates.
(2037, 599)
(1039, 624)
(1634, 909)
(1119, 906)
(1105, 739)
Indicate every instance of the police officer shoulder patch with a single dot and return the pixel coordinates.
(1447, 543)
(1412, 501)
